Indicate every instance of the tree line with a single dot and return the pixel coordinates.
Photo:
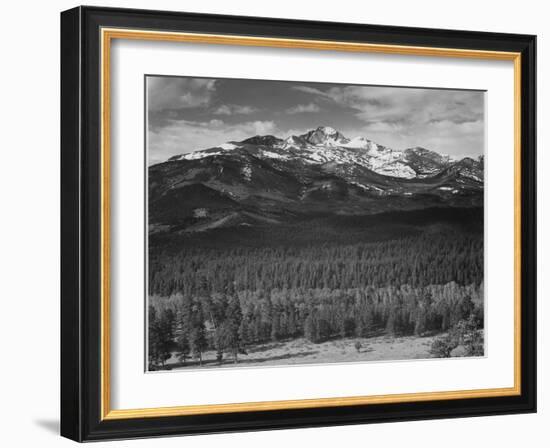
(231, 321)
(429, 259)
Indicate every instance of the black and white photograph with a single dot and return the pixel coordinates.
(309, 223)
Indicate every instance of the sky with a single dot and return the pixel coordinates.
(189, 114)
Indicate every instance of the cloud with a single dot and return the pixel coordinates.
(166, 93)
(410, 106)
(259, 127)
(188, 114)
(184, 136)
(311, 90)
(406, 105)
(444, 120)
(444, 136)
(303, 108)
(234, 109)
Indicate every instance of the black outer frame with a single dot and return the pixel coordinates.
(80, 223)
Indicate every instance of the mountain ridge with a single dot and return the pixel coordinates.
(325, 144)
(265, 179)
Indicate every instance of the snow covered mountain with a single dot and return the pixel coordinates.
(327, 145)
(266, 179)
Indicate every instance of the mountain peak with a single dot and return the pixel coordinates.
(468, 161)
(419, 151)
(327, 130)
(324, 135)
(267, 140)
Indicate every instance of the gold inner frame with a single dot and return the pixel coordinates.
(107, 35)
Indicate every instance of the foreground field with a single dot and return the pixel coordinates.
(301, 351)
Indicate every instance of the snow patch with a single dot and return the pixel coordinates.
(358, 143)
(396, 169)
(472, 176)
(199, 155)
(246, 171)
(228, 146)
(200, 213)
(357, 184)
(274, 155)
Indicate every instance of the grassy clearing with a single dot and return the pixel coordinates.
(302, 351)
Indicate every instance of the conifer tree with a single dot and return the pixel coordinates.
(231, 326)
(154, 339)
(183, 347)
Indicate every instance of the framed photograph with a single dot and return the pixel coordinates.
(276, 224)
